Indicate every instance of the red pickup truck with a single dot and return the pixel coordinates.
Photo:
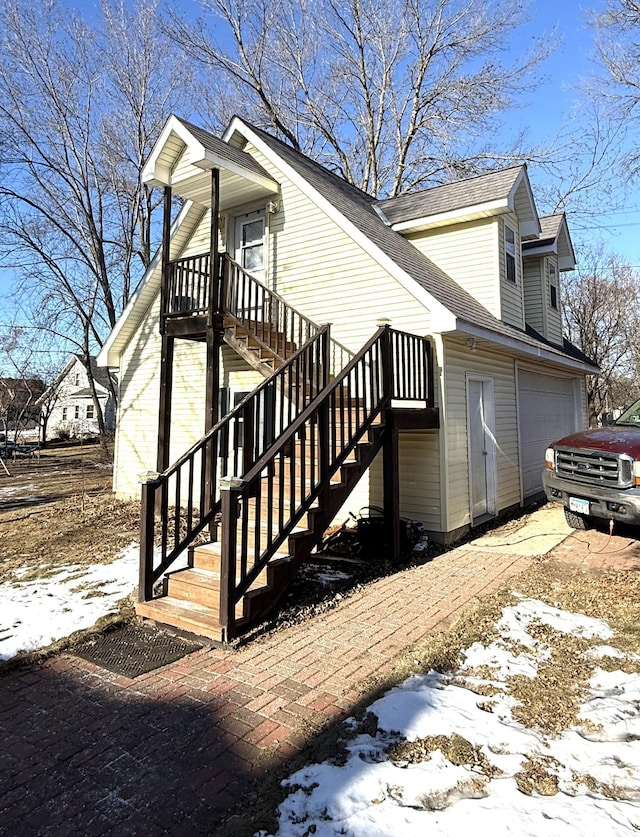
(596, 473)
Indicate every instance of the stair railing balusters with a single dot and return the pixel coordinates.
(218, 447)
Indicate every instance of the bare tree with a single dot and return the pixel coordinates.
(80, 106)
(578, 173)
(47, 404)
(617, 29)
(601, 305)
(390, 95)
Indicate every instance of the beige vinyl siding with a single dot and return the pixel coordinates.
(188, 396)
(534, 298)
(511, 296)
(459, 360)
(198, 242)
(468, 253)
(554, 316)
(137, 441)
(137, 436)
(326, 275)
(420, 492)
(329, 277)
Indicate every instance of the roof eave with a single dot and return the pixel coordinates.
(514, 344)
(453, 216)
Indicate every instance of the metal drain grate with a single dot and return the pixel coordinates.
(133, 650)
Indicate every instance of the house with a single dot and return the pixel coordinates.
(252, 423)
(18, 408)
(67, 408)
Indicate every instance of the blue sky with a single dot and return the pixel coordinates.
(559, 97)
(545, 111)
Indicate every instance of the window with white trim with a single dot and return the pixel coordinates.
(76, 412)
(89, 411)
(553, 285)
(249, 244)
(510, 253)
(64, 414)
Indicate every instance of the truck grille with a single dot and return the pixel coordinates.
(594, 467)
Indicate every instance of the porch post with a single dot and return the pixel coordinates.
(166, 351)
(391, 482)
(215, 301)
(166, 257)
(390, 459)
(164, 417)
(215, 330)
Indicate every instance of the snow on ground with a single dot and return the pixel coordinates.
(591, 772)
(35, 613)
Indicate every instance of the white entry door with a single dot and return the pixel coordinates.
(482, 449)
(249, 242)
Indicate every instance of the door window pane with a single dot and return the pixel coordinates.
(251, 242)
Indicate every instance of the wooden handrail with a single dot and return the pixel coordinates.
(325, 433)
(274, 406)
(243, 296)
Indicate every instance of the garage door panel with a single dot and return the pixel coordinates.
(546, 412)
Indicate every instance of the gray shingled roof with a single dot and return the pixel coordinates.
(481, 189)
(549, 231)
(358, 207)
(223, 150)
(550, 225)
(100, 374)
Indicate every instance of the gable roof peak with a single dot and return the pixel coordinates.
(483, 195)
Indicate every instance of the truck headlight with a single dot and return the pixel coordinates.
(549, 458)
(636, 472)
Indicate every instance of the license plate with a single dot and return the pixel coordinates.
(578, 505)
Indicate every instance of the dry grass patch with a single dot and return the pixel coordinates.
(454, 748)
(551, 700)
(537, 776)
(613, 595)
(60, 511)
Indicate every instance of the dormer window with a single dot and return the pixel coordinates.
(510, 253)
(553, 285)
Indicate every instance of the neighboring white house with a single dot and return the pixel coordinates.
(67, 407)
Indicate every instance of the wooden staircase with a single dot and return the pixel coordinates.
(262, 346)
(248, 502)
(191, 597)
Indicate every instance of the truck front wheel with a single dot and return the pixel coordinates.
(575, 520)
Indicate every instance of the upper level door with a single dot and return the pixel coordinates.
(249, 242)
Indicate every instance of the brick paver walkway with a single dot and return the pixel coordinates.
(86, 752)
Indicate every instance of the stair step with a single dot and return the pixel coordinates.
(195, 585)
(201, 587)
(207, 557)
(185, 616)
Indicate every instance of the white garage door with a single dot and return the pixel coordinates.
(547, 410)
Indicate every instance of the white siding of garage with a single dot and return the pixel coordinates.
(460, 359)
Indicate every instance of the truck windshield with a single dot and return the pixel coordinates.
(630, 416)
